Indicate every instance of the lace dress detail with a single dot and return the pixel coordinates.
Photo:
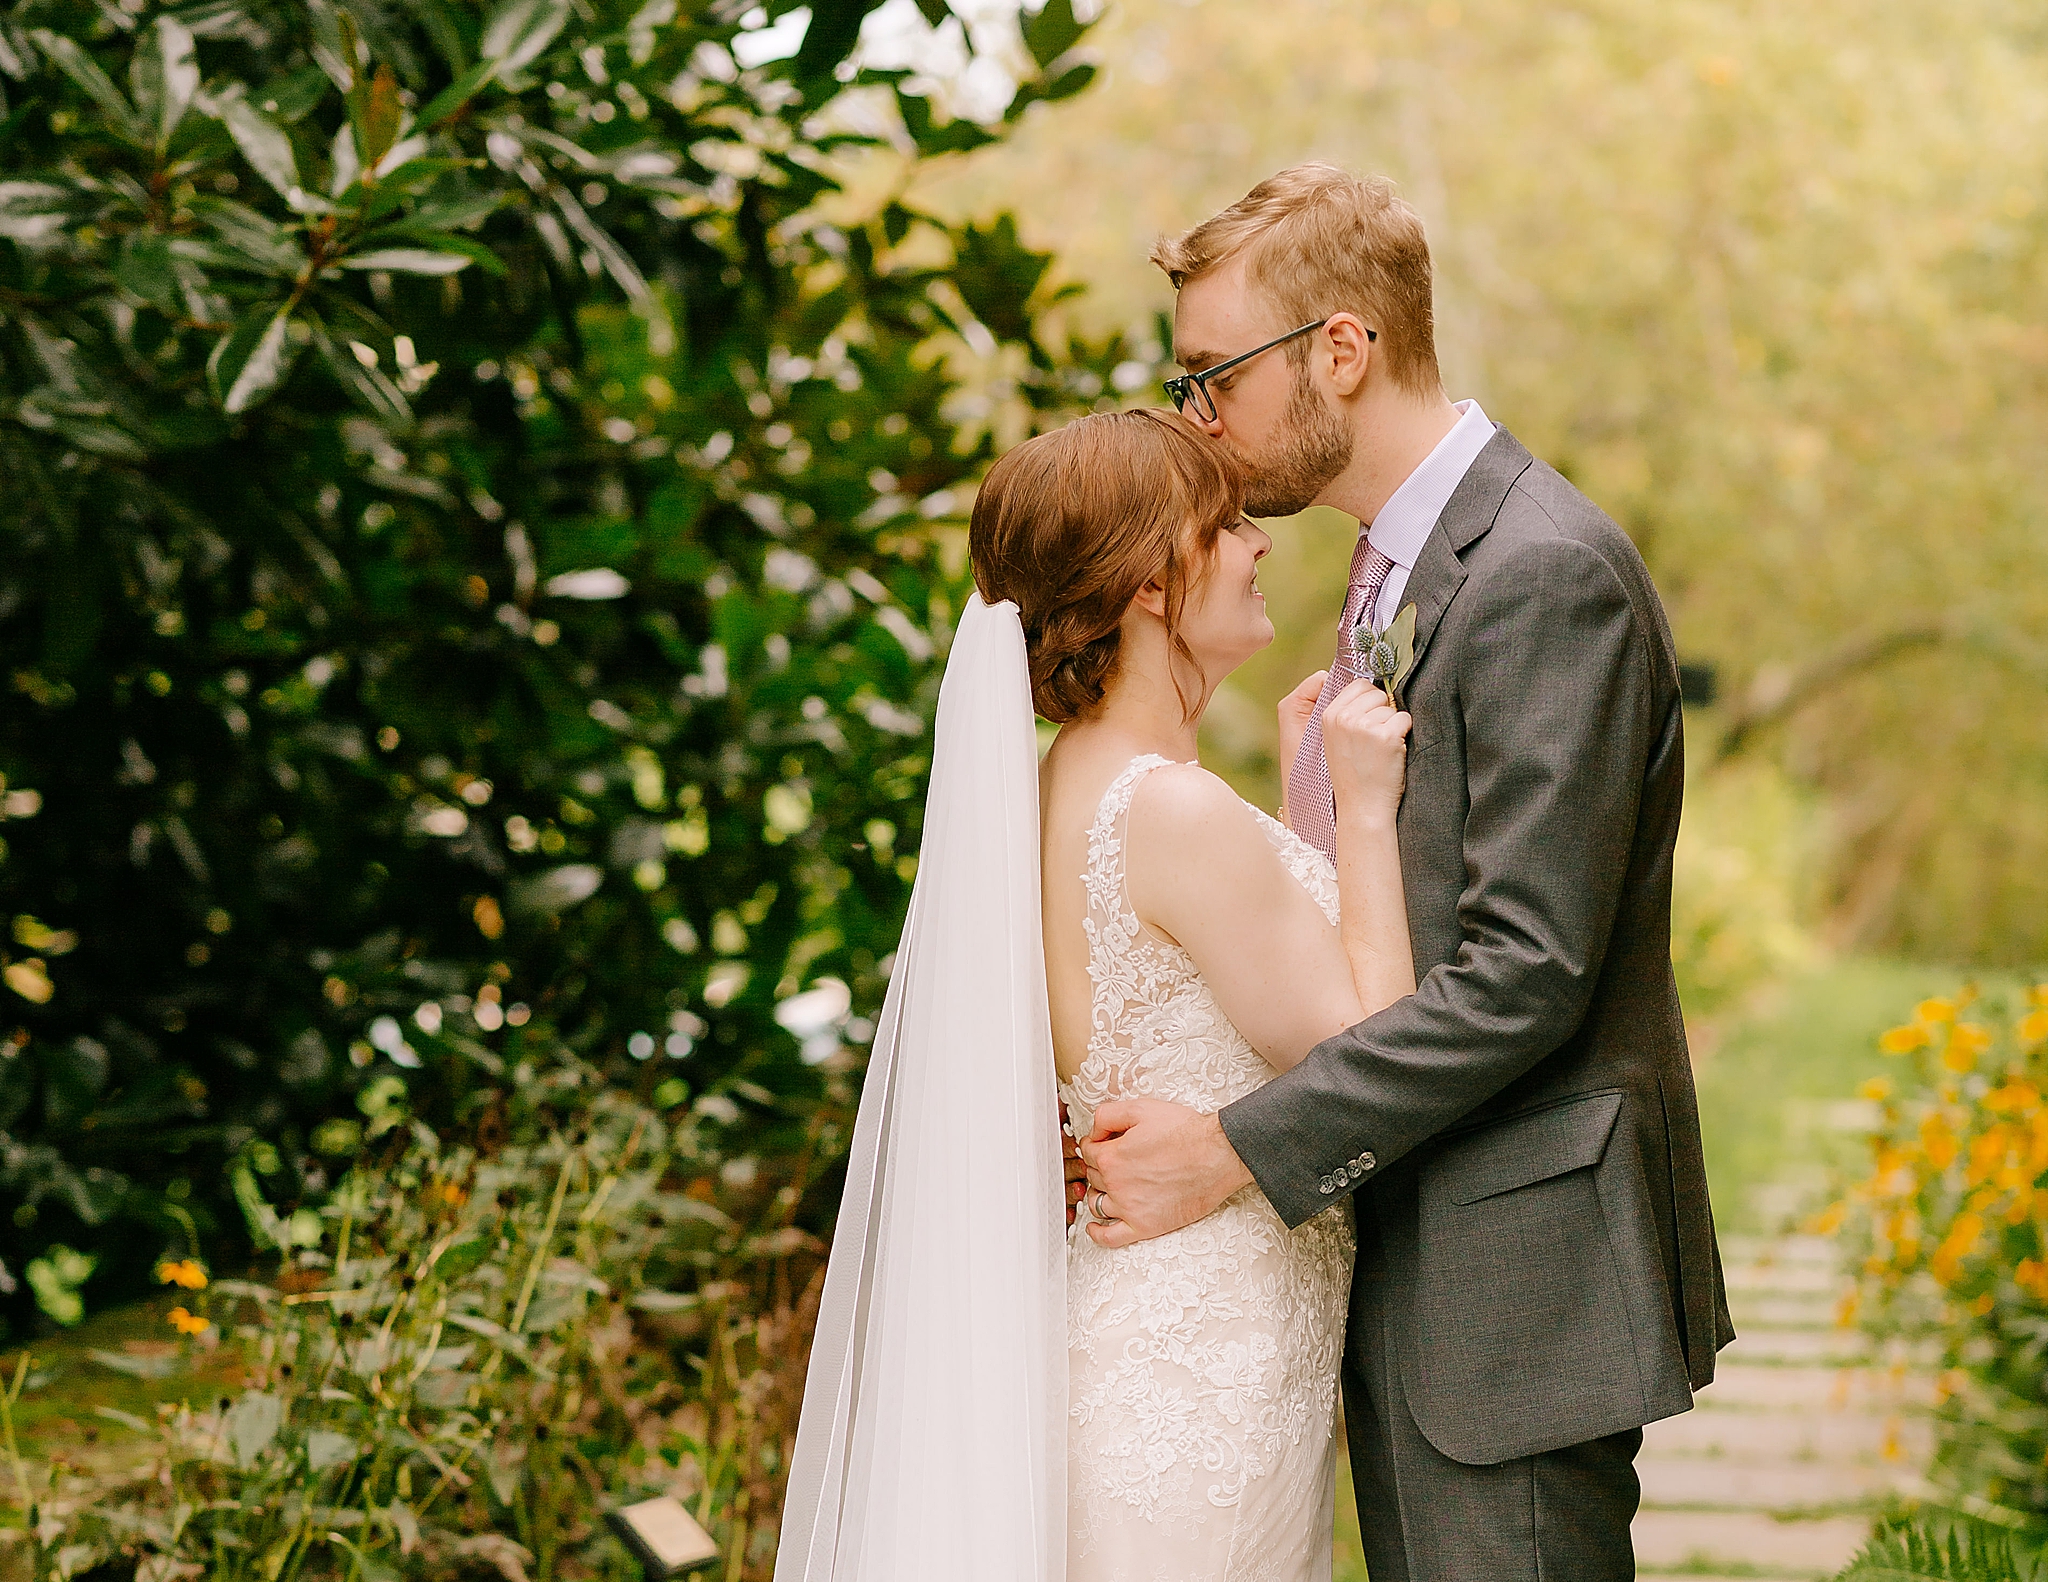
(1202, 1365)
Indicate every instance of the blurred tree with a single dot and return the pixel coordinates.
(1767, 281)
(472, 566)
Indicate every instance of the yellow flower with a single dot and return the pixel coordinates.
(2034, 1027)
(1828, 1220)
(1935, 1011)
(1961, 1241)
(186, 1273)
(1937, 1141)
(1903, 1040)
(2014, 1094)
(2038, 994)
(1965, 1043)
(1877, 1090)
(189, 1324)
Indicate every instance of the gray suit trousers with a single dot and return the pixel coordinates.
(1562, 1516)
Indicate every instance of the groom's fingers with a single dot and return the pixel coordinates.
(1113, 1117)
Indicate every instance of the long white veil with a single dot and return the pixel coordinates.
(932, 1446)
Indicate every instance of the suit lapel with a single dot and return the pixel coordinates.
(1466, 516)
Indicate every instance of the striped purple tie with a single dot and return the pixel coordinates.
(1311, 806)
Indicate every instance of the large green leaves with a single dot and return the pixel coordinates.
(265, 144)
(548, 651)
(252, 358)
(71, 58)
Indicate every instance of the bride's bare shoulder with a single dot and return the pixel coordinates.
(1180, 789)
(1185, 803)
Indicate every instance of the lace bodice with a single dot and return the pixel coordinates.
(1203, 1364)
(1155, 1028)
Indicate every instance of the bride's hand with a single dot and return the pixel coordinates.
(1294, 711)
(1365, 739)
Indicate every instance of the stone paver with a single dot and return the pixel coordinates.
(1841, 1438)
(1759, 1544)
(1778, 1469)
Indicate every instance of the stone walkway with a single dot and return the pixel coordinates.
(1778, 1469)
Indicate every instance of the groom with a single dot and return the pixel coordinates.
(1537, 1275)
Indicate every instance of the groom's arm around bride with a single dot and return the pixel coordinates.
(1537, 1273)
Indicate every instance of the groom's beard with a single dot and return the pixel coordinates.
(1314, 446)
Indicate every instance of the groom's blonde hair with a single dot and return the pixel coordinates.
(1318, 240)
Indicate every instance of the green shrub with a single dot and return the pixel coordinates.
(505, 585)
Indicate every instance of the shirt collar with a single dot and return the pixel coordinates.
(1409, 516)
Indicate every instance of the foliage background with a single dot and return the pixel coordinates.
(541, 647)
(1765, 281)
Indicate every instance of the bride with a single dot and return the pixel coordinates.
(991, 1395)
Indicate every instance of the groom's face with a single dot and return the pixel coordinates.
(1272, 415)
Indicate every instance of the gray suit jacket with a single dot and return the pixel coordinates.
(1524, 1127)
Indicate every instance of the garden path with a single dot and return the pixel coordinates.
(1778, 1469)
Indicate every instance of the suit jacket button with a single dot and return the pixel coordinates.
(1366, 1161)
(1328, 1183)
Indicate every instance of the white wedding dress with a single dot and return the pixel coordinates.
(990, 1396)
(1202, 1366)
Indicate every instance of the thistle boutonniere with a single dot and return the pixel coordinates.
(1387, 655)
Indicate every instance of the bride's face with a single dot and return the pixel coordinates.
(1224, 620)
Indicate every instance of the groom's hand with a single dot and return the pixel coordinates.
(1077, 1172)
(1156, 1167)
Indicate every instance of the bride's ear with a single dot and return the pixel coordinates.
(1151, 598)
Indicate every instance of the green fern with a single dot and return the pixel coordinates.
(1956, 1552)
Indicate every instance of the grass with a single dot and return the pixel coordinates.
(1778, 1078)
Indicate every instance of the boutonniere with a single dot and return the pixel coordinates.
(1387, 655)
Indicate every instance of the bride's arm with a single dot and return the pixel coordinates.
(1365, 742)
(1203, 874)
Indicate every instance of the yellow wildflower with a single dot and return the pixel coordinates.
(2014, 1093)
(1935, 1011)
(2032, 1278)
(1965, 1043)
(188, 1323)
(1947, 1262)
(2034, 1027)
(185, 1273)
(1903, 1040)
(1877, 1090)
(1937, 1141)
(1828, 1220)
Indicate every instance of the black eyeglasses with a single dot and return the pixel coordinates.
(1195, 387)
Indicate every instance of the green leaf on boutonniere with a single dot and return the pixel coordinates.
(1387, 655)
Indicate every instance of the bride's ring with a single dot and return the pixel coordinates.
(1098, 1210)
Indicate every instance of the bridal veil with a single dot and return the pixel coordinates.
(932, 1444)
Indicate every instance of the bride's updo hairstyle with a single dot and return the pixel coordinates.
(1072, 524)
